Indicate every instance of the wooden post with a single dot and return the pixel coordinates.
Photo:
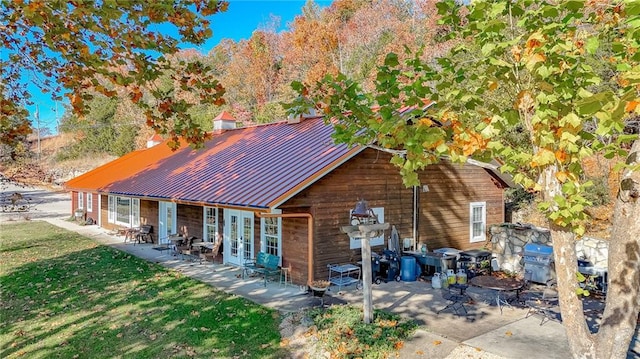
(365, 232)
(366, 277)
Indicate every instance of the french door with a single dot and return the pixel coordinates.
(238, 230)
(167, 221)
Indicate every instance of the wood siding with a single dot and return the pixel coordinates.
(443, 219)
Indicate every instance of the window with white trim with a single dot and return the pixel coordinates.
(376, 241)
(80, 200)
(210, 229)
(124, 211)
(477, 221)
(111, 209)
(272, 235)
(89, 202)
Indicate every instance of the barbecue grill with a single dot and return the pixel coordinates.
(538, 260)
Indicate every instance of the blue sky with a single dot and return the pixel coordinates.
(237, 23)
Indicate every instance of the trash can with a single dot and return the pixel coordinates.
(538, 259)
(408, 269)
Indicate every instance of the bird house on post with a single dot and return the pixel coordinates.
(364, 225)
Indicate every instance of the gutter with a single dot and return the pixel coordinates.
(309, 218)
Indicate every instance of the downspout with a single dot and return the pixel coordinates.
(415, 217)
(309, 218)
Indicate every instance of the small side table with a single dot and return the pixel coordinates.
(285, 276)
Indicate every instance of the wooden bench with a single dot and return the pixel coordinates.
(265, 265)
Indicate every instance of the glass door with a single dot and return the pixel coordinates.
(238, 229)
(167, 221)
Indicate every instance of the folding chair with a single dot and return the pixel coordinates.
(545, 305)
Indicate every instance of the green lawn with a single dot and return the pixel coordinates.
(62, 295)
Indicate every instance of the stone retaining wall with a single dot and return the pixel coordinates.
(508, 241)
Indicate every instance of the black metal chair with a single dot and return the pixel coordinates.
(546, 304)
(456, 296)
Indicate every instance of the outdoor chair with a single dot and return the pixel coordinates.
(456, 296)
(211, 256)
(144, 234)
(188, 250)
(545, 304)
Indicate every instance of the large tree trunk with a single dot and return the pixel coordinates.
(623, 295)
(623, 298)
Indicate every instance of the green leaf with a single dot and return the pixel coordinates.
(592, 45)
(391, 60)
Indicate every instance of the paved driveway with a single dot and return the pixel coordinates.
(32, 203)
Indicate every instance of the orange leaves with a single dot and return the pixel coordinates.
(561, 156)
(135, 94)
(632, 105)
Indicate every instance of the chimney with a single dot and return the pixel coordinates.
(291, 119)
(154, 140)
(224, 121)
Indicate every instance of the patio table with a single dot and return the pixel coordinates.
(501, 285)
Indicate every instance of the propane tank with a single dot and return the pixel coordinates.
(451, 276)
(436, 281)
(461, 277)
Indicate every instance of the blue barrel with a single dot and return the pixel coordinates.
(408, 268)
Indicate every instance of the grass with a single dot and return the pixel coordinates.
(343, 333)
(64, 296)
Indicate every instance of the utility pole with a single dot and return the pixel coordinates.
(37, 116)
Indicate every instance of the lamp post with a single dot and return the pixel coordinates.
(364, 225)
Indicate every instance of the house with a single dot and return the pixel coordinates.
(286, 188)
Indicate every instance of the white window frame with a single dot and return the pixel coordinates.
(210, 228)
(277, 236)
(355, 243)
(89, 202)
(474, 222)
(111, 209)
(134, 211)
(80, 200)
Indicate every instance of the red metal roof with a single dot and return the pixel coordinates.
(258, 167)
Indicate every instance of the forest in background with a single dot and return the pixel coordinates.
(350, 36)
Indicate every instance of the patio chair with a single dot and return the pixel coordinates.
(211, 256)
(144, 234)
(456, 297)
(545, 304)
(188, 250)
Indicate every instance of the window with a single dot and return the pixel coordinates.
(478, 221)
(124, 211)
(210, 224)
(376, 241)
(271, 238)
(89, 202)
(111, 209)
(80, 200)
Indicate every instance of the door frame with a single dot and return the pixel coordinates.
(163, 221)
(235, 249)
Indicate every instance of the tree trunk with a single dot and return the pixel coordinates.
(620, 316)
(581, 342)
(619, 319)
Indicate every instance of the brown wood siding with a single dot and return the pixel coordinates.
(443, 214)
(190, 220)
